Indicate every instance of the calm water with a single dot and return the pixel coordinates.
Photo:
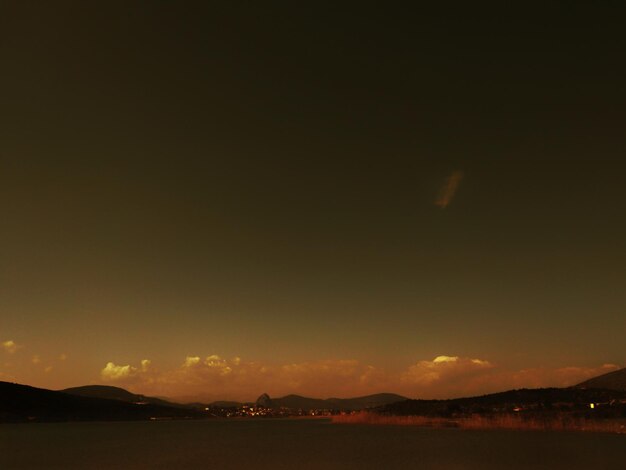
(298, 444)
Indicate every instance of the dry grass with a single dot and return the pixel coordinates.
(561, 422)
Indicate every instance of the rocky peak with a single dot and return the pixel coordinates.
(264, 401)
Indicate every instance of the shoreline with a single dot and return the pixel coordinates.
(476, 422)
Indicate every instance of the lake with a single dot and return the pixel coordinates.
(298, 444)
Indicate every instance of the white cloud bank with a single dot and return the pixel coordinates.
(114, 372)
(213, 377)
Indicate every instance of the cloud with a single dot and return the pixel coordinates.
(330, 377)
(115, 372)
(449, 189)
(217, 363)
(7, 377)
(36, 359)
(213, 377)
(191, 361)
(446, 377)
(443, 371)
(10, 346)
(62, 357)
(444, 359)
(549, 377)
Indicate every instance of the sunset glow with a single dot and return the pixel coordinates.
(216, 200)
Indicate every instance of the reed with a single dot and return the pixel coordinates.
(558, 422)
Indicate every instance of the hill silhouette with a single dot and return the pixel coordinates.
(105, 403)
(116, 393)
(297, 402)
(25, 403)
(540, 399)
(615, 380)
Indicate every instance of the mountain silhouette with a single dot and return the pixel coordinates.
(535, 398)
(297, 402)
(265, 401)
(25, 403)
(615, 380)
(115, 393)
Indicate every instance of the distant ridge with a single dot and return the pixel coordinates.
(537, 398)
(102, 391)
(115, 393)
(615, 380)
(222, 404)
(24, 403)
(296, 402)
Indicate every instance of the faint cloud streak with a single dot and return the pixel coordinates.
(449, 189)
(10, 346)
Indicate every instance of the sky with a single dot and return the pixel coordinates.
(213, 200)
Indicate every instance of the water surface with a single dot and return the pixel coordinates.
(298, 444)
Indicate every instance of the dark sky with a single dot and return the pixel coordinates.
(259, 181)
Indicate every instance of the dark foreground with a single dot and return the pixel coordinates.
(302, 444)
